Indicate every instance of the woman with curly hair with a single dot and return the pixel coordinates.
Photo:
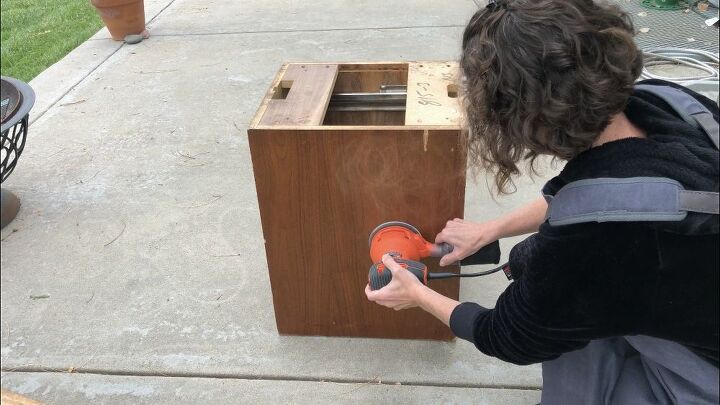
(617, 312)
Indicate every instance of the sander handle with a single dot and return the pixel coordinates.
(379, 276)
(488, 254)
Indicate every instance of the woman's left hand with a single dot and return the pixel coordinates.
(402, 292)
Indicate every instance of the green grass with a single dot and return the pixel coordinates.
(37, 33)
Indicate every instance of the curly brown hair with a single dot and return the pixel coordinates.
(543, 77)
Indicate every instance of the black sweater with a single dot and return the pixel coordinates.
(581, 282)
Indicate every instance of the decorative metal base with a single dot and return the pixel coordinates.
(9, 207)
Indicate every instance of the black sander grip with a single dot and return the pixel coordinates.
(380, 276)
(489, 254)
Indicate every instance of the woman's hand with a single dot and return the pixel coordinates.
(402, 292)
(466, 238)
(406, 291)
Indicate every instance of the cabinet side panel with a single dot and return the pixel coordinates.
(322, 192)
(276, 181)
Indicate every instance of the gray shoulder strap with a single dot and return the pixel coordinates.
(691, 110)
(627, 200)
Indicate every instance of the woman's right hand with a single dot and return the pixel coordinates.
(466, 238)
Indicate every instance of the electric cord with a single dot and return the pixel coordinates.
(437, 276)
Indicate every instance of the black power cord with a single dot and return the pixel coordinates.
(439, 276)
(379, 277)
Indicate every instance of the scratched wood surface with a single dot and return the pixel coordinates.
(302, 95)
(320, 194)
(432, 97)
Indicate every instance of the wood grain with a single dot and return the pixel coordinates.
(308, 89)
(367, 78)
(364, 78)
(268, 96)
(321, 192)
(364, 118)
(432, 94)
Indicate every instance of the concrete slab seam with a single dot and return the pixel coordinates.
(307, 30)
(230, 376)
(160, 12)
(34, 118)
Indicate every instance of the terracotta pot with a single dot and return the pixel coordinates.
(121, 17)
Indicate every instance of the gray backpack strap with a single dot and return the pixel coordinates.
(692, 111)
(705, 202)
(627, 200)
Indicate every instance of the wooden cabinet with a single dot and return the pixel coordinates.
(338, 149)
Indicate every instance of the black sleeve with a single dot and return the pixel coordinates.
(513, 331)
(572, 291)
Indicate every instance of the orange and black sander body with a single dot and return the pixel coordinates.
(407, 246)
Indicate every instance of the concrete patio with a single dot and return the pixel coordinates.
(140, 224)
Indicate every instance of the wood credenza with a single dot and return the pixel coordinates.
(337, 149)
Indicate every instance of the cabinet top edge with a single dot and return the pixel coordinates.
(440, 112)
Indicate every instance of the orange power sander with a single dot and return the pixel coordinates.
(407, 246)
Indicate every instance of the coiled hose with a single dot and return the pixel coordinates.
(704, 63)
